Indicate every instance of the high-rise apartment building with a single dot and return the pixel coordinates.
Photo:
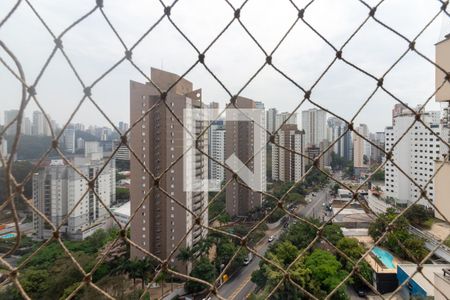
(26, 126)
(361, 148)
(285, 117)
(79, 126)
(217, 153)
(242, 142)
(259, 105)
(415, 154)
(161, 223)
(287, 165)
(271, 117)
(397, 110)
(92, 147)
(9, 116)
(344, 146)
(69, 139)
(123, 127)
(376, 153)
(123, 153)
(57, 188)
(40, 125)
(315, 126)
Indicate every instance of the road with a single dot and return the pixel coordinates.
(240, 286)
(315, 207)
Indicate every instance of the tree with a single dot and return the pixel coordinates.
(349, 170)
(416, 246)
(337, 162)
(398, 237)
(354, 250)
(295, 198)
(378, 176)
(326, 271)
(122, 194)
(377, 228)
(418, 215)
(217, 206)
(202, 270)
(19, 170)
(35, 282)
(300, 234)
(333, 233)
(286, 253)
(365, 160)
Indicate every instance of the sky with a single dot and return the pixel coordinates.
(234, 58)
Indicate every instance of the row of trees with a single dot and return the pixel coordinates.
(314, 181)
(207, 266)
(319, 271)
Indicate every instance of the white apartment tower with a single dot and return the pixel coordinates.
(287, 165)
(40, 125)
(26, 126)
(361, 148)
(57, 188)
(217, 152)
(9, 117)
(285, 117)
(415, 154)
(69, 139)
(314, 124)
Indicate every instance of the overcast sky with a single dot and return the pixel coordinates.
(234, 58)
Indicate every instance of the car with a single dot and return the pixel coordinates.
(248, 259)
(360, 291)
(271, 238)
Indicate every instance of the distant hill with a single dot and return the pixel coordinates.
(31, 147)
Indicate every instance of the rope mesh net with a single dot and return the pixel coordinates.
(14, 188)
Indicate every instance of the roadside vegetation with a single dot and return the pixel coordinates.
(398, 239)
(319, 270)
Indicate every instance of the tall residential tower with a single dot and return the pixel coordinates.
(160, 222)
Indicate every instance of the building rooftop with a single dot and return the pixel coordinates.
(124, 209)
(428, 271)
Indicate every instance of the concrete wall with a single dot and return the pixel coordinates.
(442, 190)
(443, 60)
(412, 287)
(441, 285)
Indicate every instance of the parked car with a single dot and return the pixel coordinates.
(271, 238)
(361, 291)
(248, 259)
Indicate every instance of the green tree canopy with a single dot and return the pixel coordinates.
(203, 270)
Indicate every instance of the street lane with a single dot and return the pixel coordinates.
(240, 286)
(315, 207)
